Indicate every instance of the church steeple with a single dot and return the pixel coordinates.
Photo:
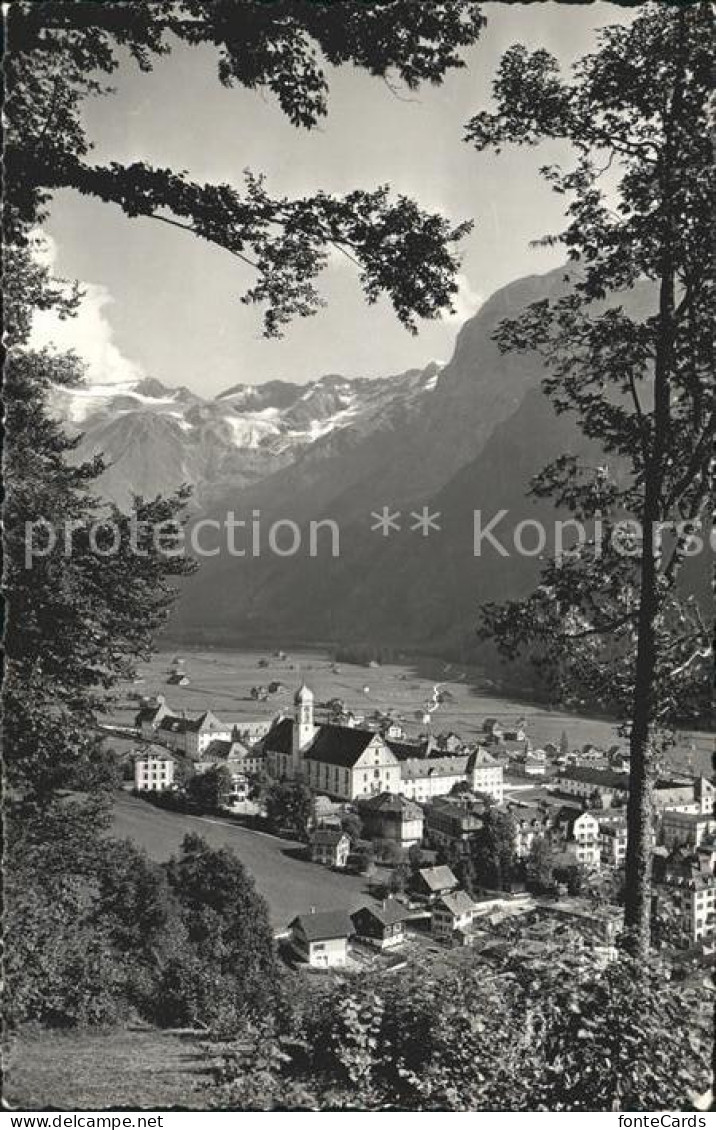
(304, 729)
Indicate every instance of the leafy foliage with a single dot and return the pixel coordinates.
(482, 1039)
(187, 943)
(637, 110)
(289, 804)
(60, 54)
(493, 849)
(209, 790)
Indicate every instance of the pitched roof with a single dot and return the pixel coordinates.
(328, 837)
(148, 712)
(174, 724)
(405, 750)
(340, 745)
(670, 814)
(158, 751)
(279, 737)
(480, 756)
(218, 748)
(438, 878)
(324, 924)
(387, 913)
(570, 816)
(458, 902)
(590, 776)
(392, 803)
(419, 768)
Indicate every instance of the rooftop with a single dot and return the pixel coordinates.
(324, 924)
(387, 913)
(591, 776)
(328, 837)
(392, 803)
(438, 878)
(457, 902)
(418, 768)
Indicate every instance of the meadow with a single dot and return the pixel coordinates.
(290, 884)
(222, 680)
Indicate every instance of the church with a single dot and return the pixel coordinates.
(349, 763)
(343, 761)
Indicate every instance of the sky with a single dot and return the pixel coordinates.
(164, 304)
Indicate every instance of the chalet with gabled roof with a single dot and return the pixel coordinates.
(320, 938)
(452, 912)
(434, 882)
(381, 924)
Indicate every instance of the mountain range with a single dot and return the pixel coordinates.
(454, 439)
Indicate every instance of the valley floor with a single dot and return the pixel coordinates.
(222, 679)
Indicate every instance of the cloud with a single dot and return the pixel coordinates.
(466, 302)
(89, 333)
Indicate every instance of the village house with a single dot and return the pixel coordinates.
(580, 835)
(251, 732)
(449, 743)
(452, 820)
(450, 913)
(485, 774)
(690, 828)
(591, 755)
(382, 925)
(677, 795)
(527, 765)
(705, 855)
(392, 730)
(705, 795)
(431, 883)
(594, 784)
(154, 769)
(235, 754)
(613, 842)
(392, 817)
(686, 900)
(320, 938)
(149, 717)
(191, 736)
(178, 679)
(330, 847)
(531, 823)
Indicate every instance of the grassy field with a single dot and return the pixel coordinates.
(222, 680)
(290, 885)
(132, 1068)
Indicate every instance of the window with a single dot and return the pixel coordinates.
(318, 947)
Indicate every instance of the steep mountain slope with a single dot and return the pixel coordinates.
(155, 438)
(462, 438)
(473, 444)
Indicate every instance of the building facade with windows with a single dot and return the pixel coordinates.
(154, 769)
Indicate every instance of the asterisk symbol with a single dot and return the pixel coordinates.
(385, 521)
(425, 521)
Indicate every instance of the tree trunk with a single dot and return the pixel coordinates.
(637, 901)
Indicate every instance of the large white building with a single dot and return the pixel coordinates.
(153, 769)
(180, 732)
(349, 762)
